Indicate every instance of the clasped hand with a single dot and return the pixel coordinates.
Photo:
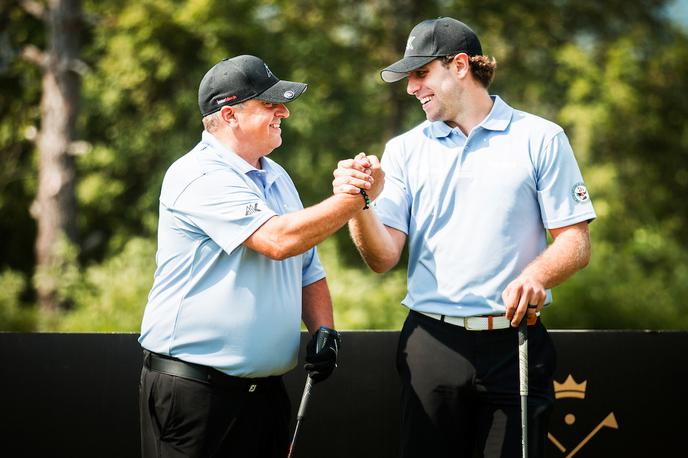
(361, 172)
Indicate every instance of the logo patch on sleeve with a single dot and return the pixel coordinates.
(252, 208)
(580, 193)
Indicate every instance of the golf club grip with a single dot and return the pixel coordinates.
(523, 356)
(304, 398)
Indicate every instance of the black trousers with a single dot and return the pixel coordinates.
(460, 390)
(181, 417)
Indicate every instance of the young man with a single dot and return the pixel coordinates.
(473, 190)
(237, 272)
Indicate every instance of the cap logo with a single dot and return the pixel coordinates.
(289, 95)
(580, 193)
(409, 43)
(226, 99)
(268, 70)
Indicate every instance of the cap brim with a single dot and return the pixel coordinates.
(399, 70)
(283, 92)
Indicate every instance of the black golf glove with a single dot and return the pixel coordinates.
(321, 354)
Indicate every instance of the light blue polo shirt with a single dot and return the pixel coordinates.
(214, 301)
(475, 208)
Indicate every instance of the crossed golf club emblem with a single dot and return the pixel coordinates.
(570, 389)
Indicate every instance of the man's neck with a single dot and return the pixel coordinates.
(478, 105)
(234, 146)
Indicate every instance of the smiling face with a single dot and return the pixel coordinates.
(437, 88)
(258, 125)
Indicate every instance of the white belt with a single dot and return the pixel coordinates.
(474, 323)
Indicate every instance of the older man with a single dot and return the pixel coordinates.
(237, 271)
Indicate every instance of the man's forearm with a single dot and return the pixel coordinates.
(380, 247)
(294, 233)
(316, 308)
(569, 252)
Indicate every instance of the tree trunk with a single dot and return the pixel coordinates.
(55, 206)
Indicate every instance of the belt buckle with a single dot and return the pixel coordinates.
(465, 324)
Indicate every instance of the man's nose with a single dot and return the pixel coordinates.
(412, 85)
(282, 111)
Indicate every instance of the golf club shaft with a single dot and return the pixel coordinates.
(302, 413)
(523, 381)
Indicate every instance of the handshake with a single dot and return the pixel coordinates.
(362, 173)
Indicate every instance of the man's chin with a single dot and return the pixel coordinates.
(272, 149)
(431, 116)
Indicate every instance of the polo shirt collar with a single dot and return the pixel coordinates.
(439, 129)
(269, 171)
(497, 119)
(227, 155)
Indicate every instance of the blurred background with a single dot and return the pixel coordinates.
(99, 97)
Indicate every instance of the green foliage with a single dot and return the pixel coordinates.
(612, 73)
(632, 285)
(19, 109)
(629, 135)
(14, 316)
(63, 275)
(110, 296)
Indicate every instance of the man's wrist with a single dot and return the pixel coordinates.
(325, 336)
(352, 200)
(366, 199)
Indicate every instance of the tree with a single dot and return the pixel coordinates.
(55, 205)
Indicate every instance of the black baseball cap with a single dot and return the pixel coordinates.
(429, 40)
(237, 79)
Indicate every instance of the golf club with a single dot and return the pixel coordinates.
(321, 340)
(302, 412)
(523, 380)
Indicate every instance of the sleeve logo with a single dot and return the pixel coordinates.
(580, 193)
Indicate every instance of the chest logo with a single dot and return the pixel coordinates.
(252, 208)
(580, 193)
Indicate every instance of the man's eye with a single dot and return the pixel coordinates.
(268, 104)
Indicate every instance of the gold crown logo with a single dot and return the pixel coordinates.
(570, 389)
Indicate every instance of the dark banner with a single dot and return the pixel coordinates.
(618, 394)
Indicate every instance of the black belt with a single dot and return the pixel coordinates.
(173, 366)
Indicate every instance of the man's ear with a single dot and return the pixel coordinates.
(461, 64)
(228, 115)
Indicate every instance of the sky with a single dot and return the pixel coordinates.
(679, 12)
